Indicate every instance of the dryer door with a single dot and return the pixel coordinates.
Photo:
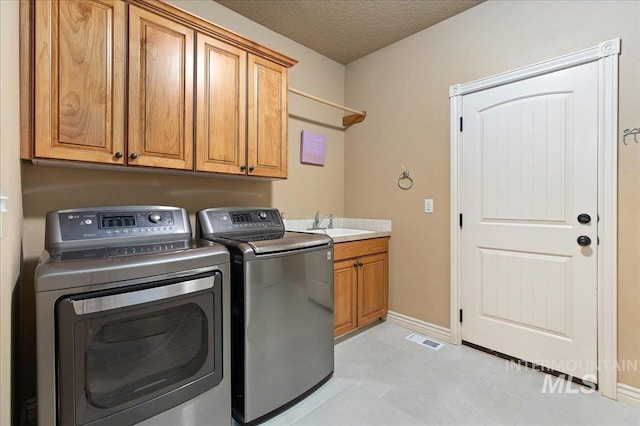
(130, 353)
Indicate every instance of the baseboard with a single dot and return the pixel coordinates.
(628, 394)
(419, 326)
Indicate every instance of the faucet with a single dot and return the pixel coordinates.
(317, 220)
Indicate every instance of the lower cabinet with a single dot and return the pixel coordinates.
(361, 283)
(345, 296)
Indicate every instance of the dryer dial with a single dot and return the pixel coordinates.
(155, 217)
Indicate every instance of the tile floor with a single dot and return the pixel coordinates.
(383, 379)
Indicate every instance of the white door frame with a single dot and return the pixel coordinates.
(606, 54)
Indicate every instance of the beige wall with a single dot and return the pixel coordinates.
(404, 89)
(307, 189)
(10, 183)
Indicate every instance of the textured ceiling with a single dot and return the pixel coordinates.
(346, 30)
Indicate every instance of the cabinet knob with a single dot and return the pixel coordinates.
(359, 264)
(118, 154)
(355, 265)
(243, 168)
(133, 156)
(251, 169)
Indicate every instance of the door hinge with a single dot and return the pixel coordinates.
(31, 410)
(460, 124)
(460, 316)
(460, 220)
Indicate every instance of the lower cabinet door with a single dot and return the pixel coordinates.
(373, 283)
(345, 286)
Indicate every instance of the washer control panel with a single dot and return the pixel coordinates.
(91, 226)
(239, 221)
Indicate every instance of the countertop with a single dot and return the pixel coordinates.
(358, 237)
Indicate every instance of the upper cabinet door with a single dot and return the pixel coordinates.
(80, 80)
(221, 105)
(267, 120)
(161, 70)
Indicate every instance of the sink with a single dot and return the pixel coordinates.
(339, 232)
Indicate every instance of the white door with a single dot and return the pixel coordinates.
(529, 170)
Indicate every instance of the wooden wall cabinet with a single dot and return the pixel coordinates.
(221, 141)
(198, 97)
(234, 137)
(361, 283)
(79, 79)
(267, 127)
(161, 68)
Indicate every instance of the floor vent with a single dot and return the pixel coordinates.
(424, 341)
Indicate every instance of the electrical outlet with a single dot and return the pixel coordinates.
(428, 205)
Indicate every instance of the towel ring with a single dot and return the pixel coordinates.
(405, 181)
(628, 132)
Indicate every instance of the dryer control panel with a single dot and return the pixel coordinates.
(107, 226)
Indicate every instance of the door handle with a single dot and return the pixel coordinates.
(584, 218)
(123, 300)
(584, 241)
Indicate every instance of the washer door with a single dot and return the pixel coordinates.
(288, 335)
(127, 354)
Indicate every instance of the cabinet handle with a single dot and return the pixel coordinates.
(243, 168)
(133, 156)
(360, 264)
(118, 154)
(355, 265)
(251, 169)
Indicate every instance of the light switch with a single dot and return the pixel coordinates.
(428, 205)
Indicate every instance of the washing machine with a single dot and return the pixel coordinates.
(282, 346)
(132, 320)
